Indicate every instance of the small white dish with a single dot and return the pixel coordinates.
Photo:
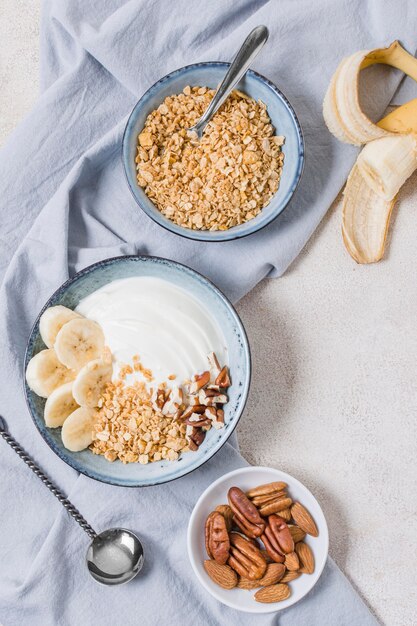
(247, 478)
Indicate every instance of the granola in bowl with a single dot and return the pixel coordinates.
(221, 181)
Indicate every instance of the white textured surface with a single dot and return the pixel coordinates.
(333, 398)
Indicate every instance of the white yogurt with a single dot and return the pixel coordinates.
(161, 323)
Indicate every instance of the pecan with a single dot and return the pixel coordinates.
(227, 513)
(277, 539)
(220, 399)
(246, 514)
(200, 381)
(210, 412)
(197, 423)
(272, 550)
(214, 363)
(195, 437)
(194, 408)
(217, 538)
(219, 421)
(223, 379)
(245, 558)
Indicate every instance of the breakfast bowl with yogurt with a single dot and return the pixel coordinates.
(137, 371)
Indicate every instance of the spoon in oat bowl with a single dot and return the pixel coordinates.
(114, 556)
(250, 48)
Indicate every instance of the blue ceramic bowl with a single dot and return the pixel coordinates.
(94, 277)
(283, 119)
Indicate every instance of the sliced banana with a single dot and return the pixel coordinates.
(59, 405)
(78, 342)
(366, 219)
(77, 430)
(45, 373)
(52, 320)
(91, 381)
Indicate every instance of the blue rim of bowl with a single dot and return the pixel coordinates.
(228, 235)
(245, 392)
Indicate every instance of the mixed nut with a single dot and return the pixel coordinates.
(233, 533)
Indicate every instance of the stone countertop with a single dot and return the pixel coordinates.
(334, 391)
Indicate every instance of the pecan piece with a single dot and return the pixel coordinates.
(223, 379)
(217, 538)
(246, 514)
(245, 558)
(200, 381)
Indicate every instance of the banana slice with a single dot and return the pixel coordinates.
(45, 373)
(91, 381)
(77, 430)
(366, 219)
(386, 163)
(52, 320)
(78, 342)
(59, 405)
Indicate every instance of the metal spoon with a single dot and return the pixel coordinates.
(114, 556)
(251, 47)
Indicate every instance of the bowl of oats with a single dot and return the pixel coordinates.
(137, 371)
(234, 181)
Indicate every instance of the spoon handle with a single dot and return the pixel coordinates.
(72, 510)
(249, 50)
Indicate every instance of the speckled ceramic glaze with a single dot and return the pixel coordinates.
(217, 305)
(283, 119)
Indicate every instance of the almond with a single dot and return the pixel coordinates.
(260, 500)
(264, 489)
(296, 533)
(274, 573)
(285, 514)
(275, 506)
(292, 562)
(306, 557)
(290, 576)
(222, 575)
(303, 519)
(273, 593)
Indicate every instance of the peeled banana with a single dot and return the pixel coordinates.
(388, 158)
(365, 219)
(45, 373)
(78, 342)
(91, 382)
(52, 320)
(387, 163)
(77, 431)
(59, 405)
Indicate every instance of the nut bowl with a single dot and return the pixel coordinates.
(247, 478)
(282, 116)
(223, 314)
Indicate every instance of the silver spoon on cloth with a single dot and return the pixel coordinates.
(114, 556)
(251, 47)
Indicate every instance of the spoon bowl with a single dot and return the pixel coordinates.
(115, 556)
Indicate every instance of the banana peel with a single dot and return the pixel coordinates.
(389, 156)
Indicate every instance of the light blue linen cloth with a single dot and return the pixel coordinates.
(65, 204)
